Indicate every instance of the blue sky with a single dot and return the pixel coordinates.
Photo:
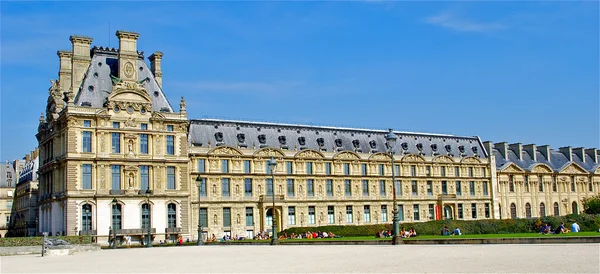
(505, 71)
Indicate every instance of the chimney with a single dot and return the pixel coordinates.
(27, 158)
(545, 150)
(64, 71)
(531, 149)
(567, 151)
(80, 60)
(580, 152)
(517, 148)
(155, 60)
(593, 153)
(128, 55)
(489, 147)
(503, 148)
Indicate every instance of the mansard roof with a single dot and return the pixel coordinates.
(97, 82)
(216, 132)
(558, 160)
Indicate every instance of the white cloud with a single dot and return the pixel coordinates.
(451, 21)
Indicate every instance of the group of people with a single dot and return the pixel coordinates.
(309, 235)
(446, 232)
(561, 229)
(403, 233)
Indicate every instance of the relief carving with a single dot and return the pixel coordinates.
(308, 154)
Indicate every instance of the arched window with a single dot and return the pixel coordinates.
(527, 210)
(574, 207)
(145, 215)
(116, 216)
(172, 215)
(86, 217)
(513, 211)
(556, 209)
(542, 210)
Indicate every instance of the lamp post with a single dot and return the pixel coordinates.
(199, 184)
(149, 242)
(391, 141)
(114, 225)
(272, 165)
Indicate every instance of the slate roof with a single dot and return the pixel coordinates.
(557, 162)
(97, 84)
(4, 169)
(290, 136)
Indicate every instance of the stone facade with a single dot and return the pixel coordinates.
(25, 206)
(8, 180)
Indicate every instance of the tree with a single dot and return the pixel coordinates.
(591, 205)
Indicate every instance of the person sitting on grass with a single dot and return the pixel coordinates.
(456, 232)
(561, 229)
(575, 227)
(445, 231)
(546, 229)
(412, 232)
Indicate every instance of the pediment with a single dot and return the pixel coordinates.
(470, 160)
(380, 156)
(443, 159)
(413, 158)
(309, 153)
(225, 150)
(573, 168)
(512, 168)
(541, 168)
(346, 155)
(269, 152)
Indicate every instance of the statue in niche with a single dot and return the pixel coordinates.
(339, 189)
(280, 189)
(259, 189)
(239, 220)
(300, 188)
(237, 190)
(214, 189)
(215, 219)
(321, 217)
(130, 180)
(130, 146)
(320, 190)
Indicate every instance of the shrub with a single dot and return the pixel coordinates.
(35, 241)
(591, 205)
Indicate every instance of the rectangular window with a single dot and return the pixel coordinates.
(329, 186)
(401, 212)
(444, 188)
(289, 167)
(443, 171)
(474, 211)
(365, 187)
(9, 205)
(428, 170)
(170, 145)
(346, 169)
(224, 166)
(384, 213)
(590, 187)
(310, 187)
(87, 141)
(381, 170)
(116, 142)
(367, 213)
(460, 211)
(363, 169)
(116, 177)
(458, 188)
(309, 168)
(248, 187)
(143, 126)
(431, 212)
(291, 215)
(201, 165)
(171, 177)
(429, 188)
(225, 187)
(573, 186)
(87, 123)
(330, 215)
(487, 210)
(540, 184)
(247, 166)
(396, 170)
(348, 187)
(202, 187)
(86, 176)
(116, 125)
(144, 143)
(415, 189)
(144, 178)
(471, 172)
(269, 186)
(398, 188)
(227, 217)
(416, 212)
(413, 170)
(457, 171)
(349, 217)
(485, 188)
(327, 168)
(483, 172)
(311, 215)
(204, 217)
(472, 188)
(290, 187)
(382, 191)
(249, 216)
(169, 127)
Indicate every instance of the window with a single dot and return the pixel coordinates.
(483, 172)
(86, 176)
(415, 190)
(346, 169)
(474, 211)
(457, 171)
(542, 210)
(396, 169)
(443, 171)
(485, 188)
(310, 187)
(460, 211)
(472, 188)
(413, 170)
(289, 167)
(416, 212)
(527, 210)
(144, 126)
(86, 217)
(471, 172)
(116, 177)
(311, 215)
(329, 187)
(309, 168)
(348, 187)
(87, 141)
(225, 187)
(382, 191)
(116, 216)
(367, 213)
(87, 123)
(202, 187)
(169, 127)
(513, 211)
(444, 187)
(526, 184)
(590, 187)
(431, 212)
(330, 215)
(248, 187)
(116, 125)
(429, 188)
(540, 184)
(227, 217)
(365, 187)
(458, 188)
(511, 184)
(249, 216)
(201, 165)
(384, 213)
(145, 216)
(381, 170)
(327, 168)
(144, 178)
(487, 210)
(349, 217)
(144, 143)
(290, 187)
(9, 205)
(573, 186)
(225, 166)
(398, 188)
(269, 186)
(116, 142)
(170, 144)
(246, 166)
(171, 177)
(291, 215)
(428, 170)
(203, 217)
(556, 209)
(363, 169)
(171, 215)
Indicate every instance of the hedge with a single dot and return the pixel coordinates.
(34, 241)
(585, 221)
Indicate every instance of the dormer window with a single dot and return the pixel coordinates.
(219, 136)
(461, 149)
(448, 148)
(282, 140)
(320, 142)
(474, 149)
(356, 143)
(338, 142)
(434, 147)
(302, 141)
(262, 139)
(404, 146)
(241, 137)
(420, 147)
(373, 144)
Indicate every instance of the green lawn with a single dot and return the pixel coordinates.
(509, 235)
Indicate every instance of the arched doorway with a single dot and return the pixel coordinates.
(574, 208)
(269, 220)
(448, 213)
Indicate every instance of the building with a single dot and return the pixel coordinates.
(115, 157)
(25, 204)
(8, 179)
